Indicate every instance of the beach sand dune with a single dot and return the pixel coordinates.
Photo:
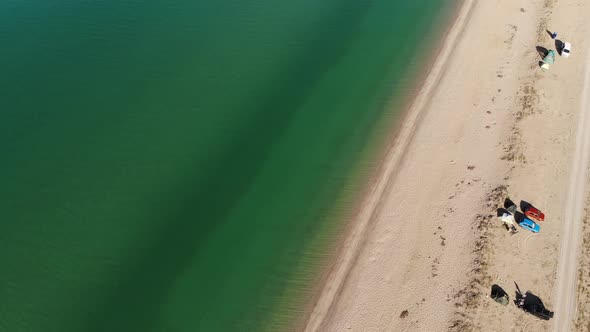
(427, 246)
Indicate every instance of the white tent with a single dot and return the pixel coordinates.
(508, 219)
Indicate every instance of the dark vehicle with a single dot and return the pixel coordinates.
(533, 305)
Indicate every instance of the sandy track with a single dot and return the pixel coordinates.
(565, 304)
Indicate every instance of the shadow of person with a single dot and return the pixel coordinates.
(517, 295)
(559, 46)
(517, 288)
(549, 33)
(542, 51)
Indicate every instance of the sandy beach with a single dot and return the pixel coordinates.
(426, 246)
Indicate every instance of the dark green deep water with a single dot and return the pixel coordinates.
(184, 165)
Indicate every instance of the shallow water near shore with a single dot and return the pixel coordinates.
(185, 166)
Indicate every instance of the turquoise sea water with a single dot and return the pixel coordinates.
(184, 165)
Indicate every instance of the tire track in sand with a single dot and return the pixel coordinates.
(565, 304)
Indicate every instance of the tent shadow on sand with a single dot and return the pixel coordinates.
(542, 51)
(499, 295)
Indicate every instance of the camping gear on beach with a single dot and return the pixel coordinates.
(509, 222)
(507, 218)
(499, 295)
(549, 59)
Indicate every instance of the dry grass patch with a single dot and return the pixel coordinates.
(468, 299)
